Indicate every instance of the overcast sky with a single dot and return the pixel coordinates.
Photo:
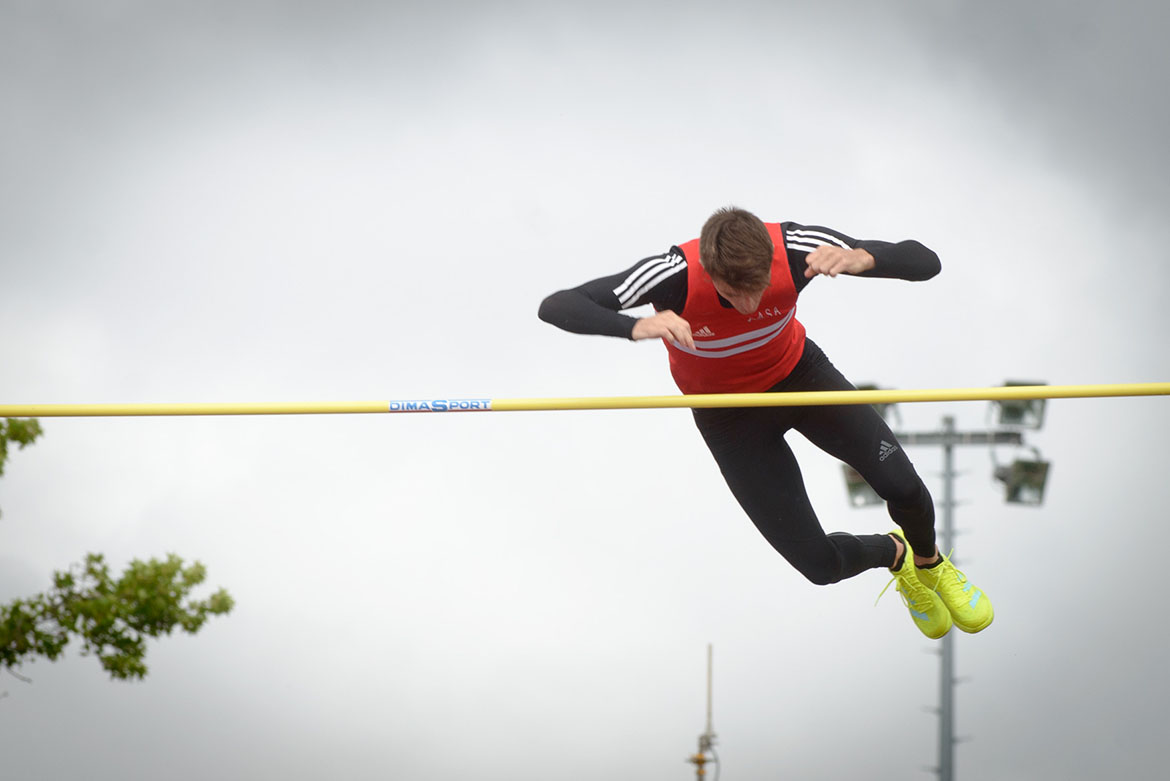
(302, 201)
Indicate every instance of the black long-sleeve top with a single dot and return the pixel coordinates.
(661, 280)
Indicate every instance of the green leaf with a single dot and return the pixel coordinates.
(112, 619)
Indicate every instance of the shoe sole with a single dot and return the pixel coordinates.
(937, 637)
(973, 629)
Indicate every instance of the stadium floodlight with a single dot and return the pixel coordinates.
(861, 493)
(1024, 481)
(1025, 413)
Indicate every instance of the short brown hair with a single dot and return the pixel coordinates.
(736, 249)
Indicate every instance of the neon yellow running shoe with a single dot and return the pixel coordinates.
(968, 605)
(926, 608)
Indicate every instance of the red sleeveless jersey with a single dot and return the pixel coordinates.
(737, 353)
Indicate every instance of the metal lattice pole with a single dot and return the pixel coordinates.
(948, 438)
(946, 715)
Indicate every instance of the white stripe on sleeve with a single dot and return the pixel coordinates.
(814, 237)
(646, 276)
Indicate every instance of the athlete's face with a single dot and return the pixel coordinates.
(746, 302)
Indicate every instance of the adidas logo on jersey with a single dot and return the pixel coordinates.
(704, 331)
(885, 449)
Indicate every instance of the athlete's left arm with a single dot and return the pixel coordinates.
(815, 250)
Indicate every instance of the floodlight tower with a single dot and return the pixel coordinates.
(1024, 481)
(707, 739)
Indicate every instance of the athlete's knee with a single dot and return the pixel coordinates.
(840, 555)
(820, 577)
(820, 562)
(905, 489)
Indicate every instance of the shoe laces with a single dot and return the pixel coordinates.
(908, 584)
(948, 571)
(950, 575)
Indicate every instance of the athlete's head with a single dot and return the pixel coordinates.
(736, 252)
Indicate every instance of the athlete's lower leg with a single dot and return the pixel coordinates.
(919, 559)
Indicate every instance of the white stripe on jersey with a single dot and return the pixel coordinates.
(646, 276)
(710, 348)
(813, 237)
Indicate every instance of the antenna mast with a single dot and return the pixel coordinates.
(707, 739)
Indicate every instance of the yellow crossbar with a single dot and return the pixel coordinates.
(799, 399)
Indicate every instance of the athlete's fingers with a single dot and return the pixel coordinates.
(831, 261)
(653, 327)
(816, 260)
(821, 269)
(680, 330)
(664, 325)
(675, 328)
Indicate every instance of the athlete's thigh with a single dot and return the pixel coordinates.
(855, 434)
(860, 437)
(761, 470)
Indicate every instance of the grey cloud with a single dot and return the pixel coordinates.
(1092, 76)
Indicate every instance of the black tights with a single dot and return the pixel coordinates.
(748, 444)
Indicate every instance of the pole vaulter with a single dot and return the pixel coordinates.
(724, 305)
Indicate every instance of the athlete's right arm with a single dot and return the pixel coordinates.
(595, 307)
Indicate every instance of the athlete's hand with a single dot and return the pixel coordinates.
(831, 261)
(664, 325)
